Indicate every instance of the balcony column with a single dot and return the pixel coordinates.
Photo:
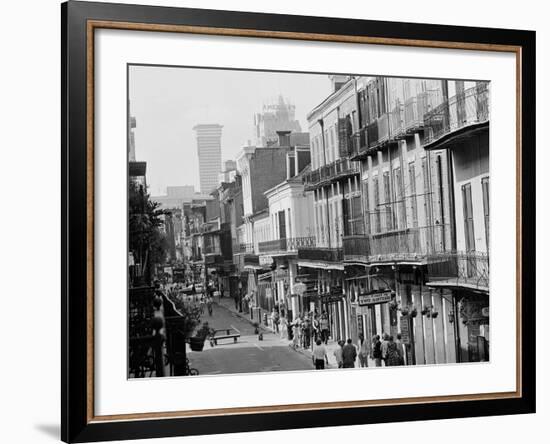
(439, 328)
(449, 327)
(418, 327)
(429, 340)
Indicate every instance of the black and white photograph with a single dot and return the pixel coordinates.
(290, 221)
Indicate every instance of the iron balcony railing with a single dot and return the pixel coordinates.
(377, 133)
(408, 244)
(327, 174)
(243, 248)
(415, 108)
(292, 244)
(211, 249)
(467, 269)
(322, 254)
(397, 121)
(462, 110)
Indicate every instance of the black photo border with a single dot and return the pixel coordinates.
(79, 19)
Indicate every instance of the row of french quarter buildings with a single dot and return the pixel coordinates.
(378, 216)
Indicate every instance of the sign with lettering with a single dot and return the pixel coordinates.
(266, 260)
(379, 297)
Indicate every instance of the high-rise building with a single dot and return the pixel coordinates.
(279, 116)
(209, 149)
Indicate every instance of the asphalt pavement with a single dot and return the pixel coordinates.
(248, 354)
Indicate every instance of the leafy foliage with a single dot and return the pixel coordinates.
(146, 241)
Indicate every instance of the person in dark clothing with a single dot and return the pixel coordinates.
(377, 351)
(349, 354)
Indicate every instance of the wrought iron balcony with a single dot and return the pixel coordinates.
(292, 244)
(471, 107)
(417, 107)
(321, 254)
(409, 244)
(377, 133)
(330, 173)
(243, 248)
(212, 249)
(460, 269)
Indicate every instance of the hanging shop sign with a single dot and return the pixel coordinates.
(329, 298)
(266, 260)
(376, 297)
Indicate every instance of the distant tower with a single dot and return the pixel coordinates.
(209, 149)
(279, 116)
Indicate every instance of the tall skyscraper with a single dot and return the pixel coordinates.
(209, 149)
(279, 116)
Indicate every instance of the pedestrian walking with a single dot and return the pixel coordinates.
(338, 354)
(209, 303)
(319, 355)
(384, 348)
(296, 332)
(284, 327)
(202, 303)
(275, 320)
(377, 351)
(323, 324)
(315, 327)
(349, 354)
(363, 352)
(306, 331)
(393, 356)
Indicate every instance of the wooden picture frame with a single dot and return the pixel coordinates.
(79, 22)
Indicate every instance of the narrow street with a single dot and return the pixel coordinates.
(248, 355)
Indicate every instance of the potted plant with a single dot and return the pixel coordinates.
(197, 342)
(434, 314)
(425, 311)
(405, 310)
(414, 312)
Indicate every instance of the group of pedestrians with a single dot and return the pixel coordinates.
(306, 329)
(386, 351)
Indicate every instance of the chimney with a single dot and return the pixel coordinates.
(284, 138)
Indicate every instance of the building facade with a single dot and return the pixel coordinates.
(460, 125)
(209, 151)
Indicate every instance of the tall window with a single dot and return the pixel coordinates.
(366, 202)
(399, 198)
(468, 217)
(485, 190)
(412, 189)
(387, 202)
(377, 224)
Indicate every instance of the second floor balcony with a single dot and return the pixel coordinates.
(327, 174)
(243, 248)
(411, 244)
(460, 269)
(466, 110)
(285, 246)
(321, 254)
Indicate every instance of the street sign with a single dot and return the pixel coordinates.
(378, 297)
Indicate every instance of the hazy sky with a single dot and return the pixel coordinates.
(168, 102)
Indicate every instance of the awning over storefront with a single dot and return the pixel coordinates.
(321, 265)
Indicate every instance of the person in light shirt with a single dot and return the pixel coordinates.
(319, 355)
